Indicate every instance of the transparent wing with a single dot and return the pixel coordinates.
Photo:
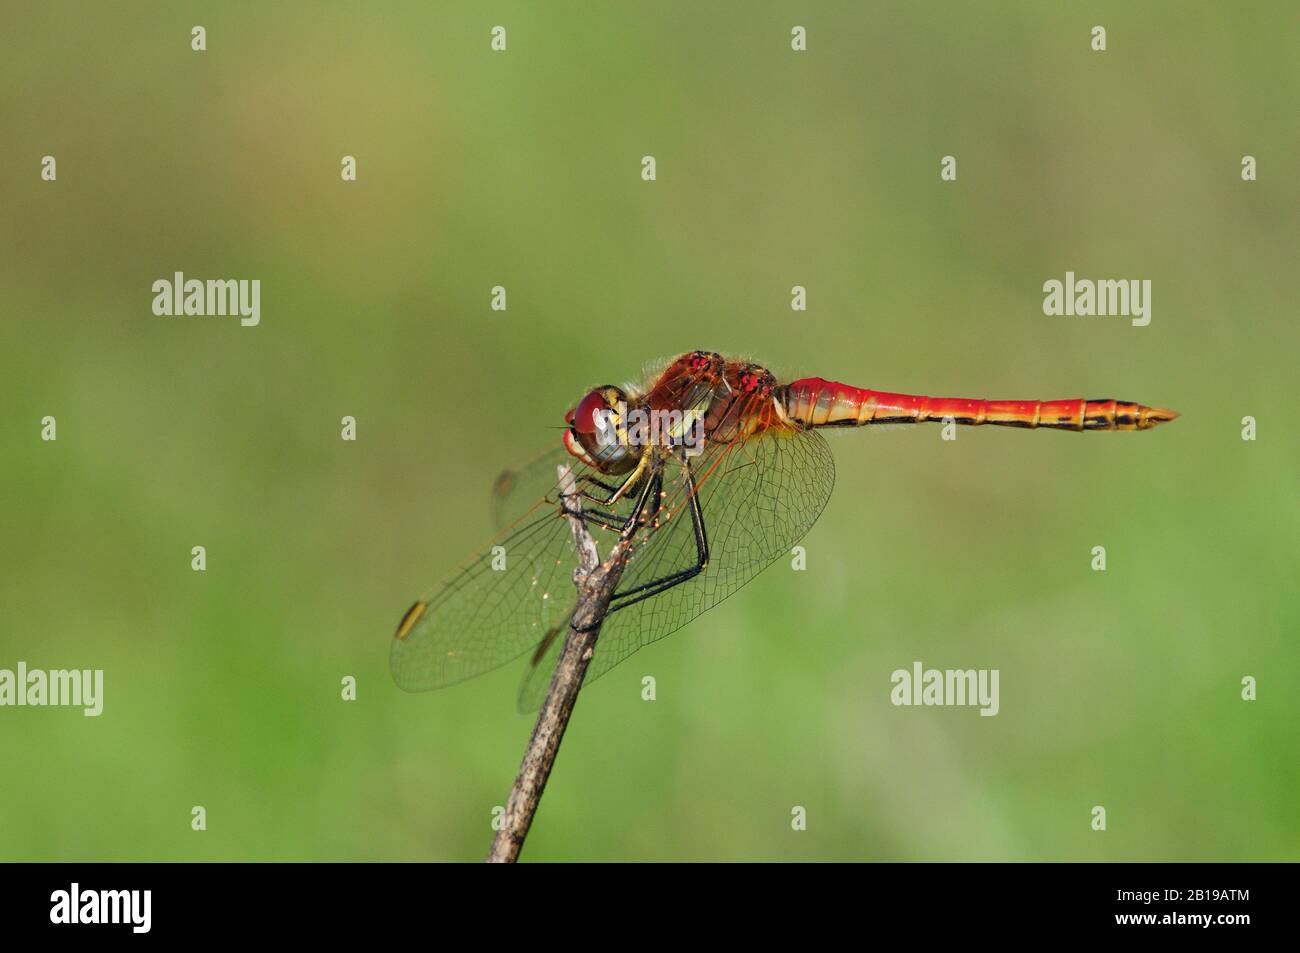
(502, 603)
(520, 486)
(758, 498)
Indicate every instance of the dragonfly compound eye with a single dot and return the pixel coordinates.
(592, 410)
(594, 433)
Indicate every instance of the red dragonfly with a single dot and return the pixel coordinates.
(716, 469)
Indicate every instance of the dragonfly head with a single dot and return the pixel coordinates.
(594, 436)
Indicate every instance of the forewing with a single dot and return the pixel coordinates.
(502, 603)
(758, 496)
(519, 487)
(495, 609)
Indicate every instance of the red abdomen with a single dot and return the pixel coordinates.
(815, 402)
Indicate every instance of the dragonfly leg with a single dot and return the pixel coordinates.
(609, 488)
(656, 496)
(614, 492)
(615, 521)
(632, 480)
(605, 520)
(622, 600)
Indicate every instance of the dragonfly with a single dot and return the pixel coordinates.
(712, 469)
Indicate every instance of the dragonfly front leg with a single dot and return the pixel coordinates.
(641, 474)
(609, 488)
(615, 492)
(644, 509)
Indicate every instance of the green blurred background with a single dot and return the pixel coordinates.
(522, 169)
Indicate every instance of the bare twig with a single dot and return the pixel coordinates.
(595, 582)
